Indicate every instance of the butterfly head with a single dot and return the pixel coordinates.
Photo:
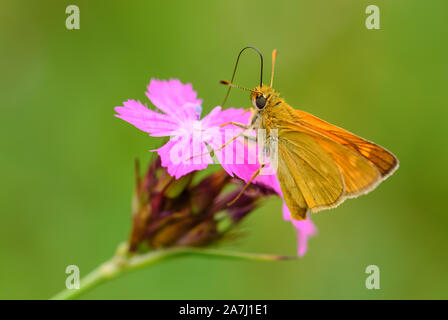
(262, 96)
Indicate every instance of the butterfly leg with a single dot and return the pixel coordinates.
(247, 185)
(241, 134)
(220, 148)
(241, 125)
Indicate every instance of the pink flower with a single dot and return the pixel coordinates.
(178, 117)
(305, 229)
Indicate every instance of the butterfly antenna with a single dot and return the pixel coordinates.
(234, 72)
(230, 84)
(274, 55)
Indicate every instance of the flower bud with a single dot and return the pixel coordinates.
(168, 212)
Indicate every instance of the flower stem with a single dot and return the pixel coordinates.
(122, 262)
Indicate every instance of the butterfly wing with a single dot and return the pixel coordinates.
(384, 161)
(309, 149)
(308, 176)
(358, 174)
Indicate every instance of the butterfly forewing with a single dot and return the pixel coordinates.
(358, 174)
(383, 160)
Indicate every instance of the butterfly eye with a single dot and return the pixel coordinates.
(260, 102)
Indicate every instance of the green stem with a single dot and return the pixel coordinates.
(122, 262)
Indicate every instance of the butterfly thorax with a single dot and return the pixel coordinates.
(269, 107)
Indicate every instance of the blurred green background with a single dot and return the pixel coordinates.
(67, 163)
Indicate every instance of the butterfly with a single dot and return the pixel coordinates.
(319, 164)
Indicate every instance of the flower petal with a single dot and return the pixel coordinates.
(237, 158)
(137, 114)
(305, 229)
(271, 181)
(176, 156)
(174, 98)
(218, 117)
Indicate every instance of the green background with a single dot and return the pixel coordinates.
(67, 163)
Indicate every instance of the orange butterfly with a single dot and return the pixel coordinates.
(319, 164)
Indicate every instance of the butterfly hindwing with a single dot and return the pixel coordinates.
(309, 178)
